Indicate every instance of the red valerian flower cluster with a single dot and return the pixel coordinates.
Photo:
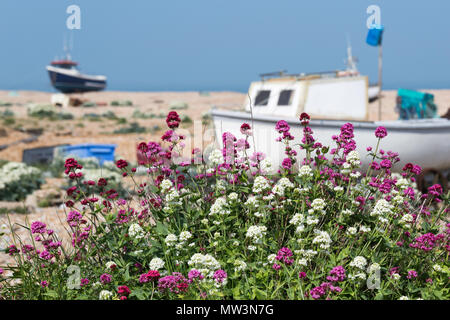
(173, 120)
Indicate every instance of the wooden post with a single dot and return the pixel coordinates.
(380, 75)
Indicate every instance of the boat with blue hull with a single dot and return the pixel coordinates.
(66, 78)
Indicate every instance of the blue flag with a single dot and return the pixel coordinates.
(375, 35)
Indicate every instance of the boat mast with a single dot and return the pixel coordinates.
(351, 60)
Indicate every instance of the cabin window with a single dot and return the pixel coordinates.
(262, 98)
(285, 98)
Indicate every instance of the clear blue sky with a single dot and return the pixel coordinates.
(221, 45)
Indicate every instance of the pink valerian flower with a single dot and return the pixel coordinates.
(173, 120)
(276, 266)
(105, 278)
(195, 274)
(150, 276)
(46, 255)
(123, 291)
(84, 282)
(337, 274)
(220, 276)
(74, 218)
(229, 147)
(386, 164)
(380, 132)
(175, 283)
(38, 227)
(435, 190)
(71, 165)
(284, 255)
(427, 241)
(246, 130)
(121, 164)
(12, 249)
(282, 126)
(1, 271)
(307, 136)
(44, 284)
(304, 118)
(411, 274)
(318, 292)
(302, 275)
(287, 163)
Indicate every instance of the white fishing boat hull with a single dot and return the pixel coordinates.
(424, 142)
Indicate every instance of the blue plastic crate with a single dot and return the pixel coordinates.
(103, 152)
(375, 35)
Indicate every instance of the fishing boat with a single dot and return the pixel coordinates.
(333, 99)
(66, 78)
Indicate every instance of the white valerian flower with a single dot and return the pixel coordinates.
(281, 186)
(437, 268)
(219, 207)
(359, 262)
(252, 201)
(355, 174)
(382, 208)
(338, 189)
(136, 231)
(318, 204)
(260, 184)
(171, 240)
(305, 171)
(352, 230)
(251, 248)
(215, 157)
(360, 275)
(204, 221)
(172, 196)
(233, 196)
(205, 263)
(347, 212)
(302, 262)
(395, 276)
(311, 220)
(398, 199)
(300, 228)
(353, 158)
(402, 183)
(156, 264)
(322, 238)
(239, 265)
(216, 235)
(406, 220)
(258, 214)
(403, 298)
(364, 229)
(165, 185)
(256, 233)
(271, 258)
(269, 197)
(265, 165)
(383, 220)
(235, 243)
(297, 219)
(221, 185)
(374, 267)
(105, 295)
(185, 235)
(110, 264)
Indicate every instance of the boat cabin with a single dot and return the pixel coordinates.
(329, 95)
(65, 64)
